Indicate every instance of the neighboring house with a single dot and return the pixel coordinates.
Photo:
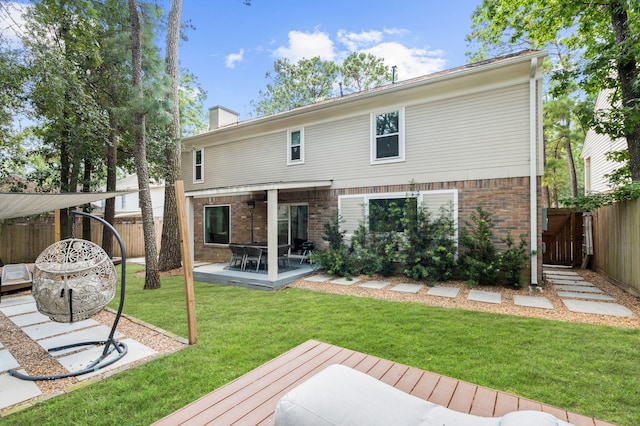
(128, 205)
(470, 135)
(594, 152)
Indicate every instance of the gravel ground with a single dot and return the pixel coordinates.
(560, 312)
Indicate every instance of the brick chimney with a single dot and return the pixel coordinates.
(220, 116)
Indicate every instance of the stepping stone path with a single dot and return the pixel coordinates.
(48, 334)
(576, 294)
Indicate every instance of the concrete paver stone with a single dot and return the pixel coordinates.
(559, 272)
(570, 282)
(374, 284)
(51, 328)
(97, 333)
(345, 281)
(7, 361)
(592, 296)
(19, 309)
(407, 287)
(578, 288)
(451, 292)
(532, 302)
(19, 300)
(319, 278)
(485, 296)
(601, 308)
(29, 319)
(14, 390)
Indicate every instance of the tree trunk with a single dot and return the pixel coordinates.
(571, 164)
(152, 275)
(110, 204)
(627, 68)
(86, 187)
(170, 254)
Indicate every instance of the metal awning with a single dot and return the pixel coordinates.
(23, 204)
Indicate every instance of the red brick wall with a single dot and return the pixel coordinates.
(506, 199)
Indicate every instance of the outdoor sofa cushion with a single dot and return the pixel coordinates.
(339, 395)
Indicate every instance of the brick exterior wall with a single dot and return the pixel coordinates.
(506, 199)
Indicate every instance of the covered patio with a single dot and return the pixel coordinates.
(277, 213)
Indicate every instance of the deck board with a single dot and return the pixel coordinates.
(251, 399)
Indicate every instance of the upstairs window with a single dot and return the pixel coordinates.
(295, 151)
(387, 136)
(197, 165)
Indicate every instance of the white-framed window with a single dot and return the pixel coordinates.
(295, 146)
(217, 224)
(387, 136)
(198, 165)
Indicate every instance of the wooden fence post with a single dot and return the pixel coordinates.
(186, 262)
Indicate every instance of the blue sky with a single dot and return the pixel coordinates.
(232, 45)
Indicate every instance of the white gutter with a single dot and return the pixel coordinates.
(533, 177)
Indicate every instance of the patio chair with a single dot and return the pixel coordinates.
(252, 255)
(14, 277)
(283, 255)
(237, 256)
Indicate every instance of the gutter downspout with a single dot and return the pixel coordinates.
(533, 176)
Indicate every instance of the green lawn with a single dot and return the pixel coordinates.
(593, 370)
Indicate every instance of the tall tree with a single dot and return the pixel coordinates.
(296, 84)
(170, 255)
(152, 275)
(363, 71)
(603, 38)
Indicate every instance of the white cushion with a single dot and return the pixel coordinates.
(339, 395)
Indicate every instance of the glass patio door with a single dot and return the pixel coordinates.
(293, 223)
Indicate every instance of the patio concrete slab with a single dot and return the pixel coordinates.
(98, 333)
(29, 319)
(407, 288)
(345, 281)
(319, 278)
(593, 296)
(19, 309)
(600, 308)
(578, 288)
(375, 284)
(79, 360)
(7, 361)
(532, 302)
(485, 296)
(14, 390)
(451, 292)
(49, 329)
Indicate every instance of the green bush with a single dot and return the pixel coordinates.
(514, 259)
(480, 256)
(337, 259)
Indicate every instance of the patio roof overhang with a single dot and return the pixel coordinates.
(247, 189)
(23, 204)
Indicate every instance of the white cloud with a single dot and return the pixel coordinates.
(234, 58)
(306, 45)
(11, 20)
(357, 41)
(410, 62)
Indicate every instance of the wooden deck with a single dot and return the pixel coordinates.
(251, 399)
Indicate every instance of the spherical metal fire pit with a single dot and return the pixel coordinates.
(73, 280)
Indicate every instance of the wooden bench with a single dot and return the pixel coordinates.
(251, 399)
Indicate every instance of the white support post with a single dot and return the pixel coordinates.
(272, 234)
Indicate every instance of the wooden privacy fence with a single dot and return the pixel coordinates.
(23, 242)
(616, 242)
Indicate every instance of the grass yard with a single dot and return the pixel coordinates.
(592, 370)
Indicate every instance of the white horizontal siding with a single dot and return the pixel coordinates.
(351, 211)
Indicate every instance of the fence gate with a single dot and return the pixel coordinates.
(563, 238)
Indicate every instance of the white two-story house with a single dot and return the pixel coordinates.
(470, 135)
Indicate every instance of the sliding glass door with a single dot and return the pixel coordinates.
(293, 223)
